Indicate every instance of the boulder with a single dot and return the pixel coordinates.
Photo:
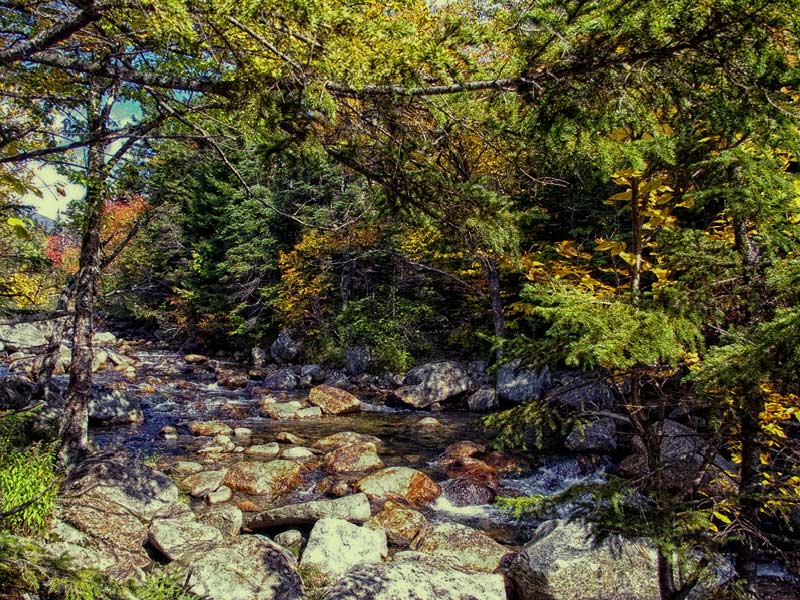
(104, 338)
(259, 356)
(354, 509)
(285, 349)
(353, 458)
(433, 383)
(195, 359)
(228, 519)
(67, 542)
(429, 423)
(400, 524)
(344, 438)
(292, 539)
(333, 401)
(282, 379)
(269, 479)
(210, 428)
(417, 580)
(403, 482)
(562, 563)
(483, 400)
(183, 468)
(142, 491)
(335, 545)
(290, 438)
(99, 360)
(232, 381)
(358, 360)
(315, 373)
(179, 538)
(297, 453)
(112, 407)
(22, 336)
(222, 494)
(598, 437)
(581, 392)
(203, 483)
(309, 412)
(282, 410)
(520, 385)
(464, 491)
(462, 449)
(469, 548)
(248, 567)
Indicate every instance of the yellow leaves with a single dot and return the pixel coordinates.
(628, 257)
(614, 247)
(568, 249)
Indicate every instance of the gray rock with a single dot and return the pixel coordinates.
(68, 542)
(358, 360)
(247, 568)
(297, 453)
(354, 509)
(344, 438)
(337, 379)
(22, 336)
(282, 410)
(577, 391)
(469, 548)
(221, 494)
(420, 581)
(270, 450)
(292, 539)
(432, 383)
(179, 538)
(520, 385)
(336, 545)
(561, 563)
(309, 412)
(259, 356)
(283, 379)
(285, 349)
(104, 338)
(315, 372)
(478, 371)
(403, 482)
(483, 400)
(113, 407)
(203, 483)
(226, 518)
(598, 436)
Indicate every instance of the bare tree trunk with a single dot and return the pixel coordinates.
(492, 276)
(638, 242)
(48, 367)
(74, 426)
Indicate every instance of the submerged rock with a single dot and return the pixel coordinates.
(412, 579)
(336, 545)
(344, 438)
(209, 428)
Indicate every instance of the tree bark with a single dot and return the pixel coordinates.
(492, 276)
(638, 243)
(75, 423)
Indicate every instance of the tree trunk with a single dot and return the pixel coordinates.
(74, 426)
(492, 276)
(48, 367)
(638, 243)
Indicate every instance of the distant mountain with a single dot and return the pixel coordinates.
(46, 223)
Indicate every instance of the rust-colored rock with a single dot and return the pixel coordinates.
(401, 524)
(353, 458)
(268, 479)
(463, 449)
(403, 482)
(334, 401)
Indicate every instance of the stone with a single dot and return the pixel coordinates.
(65, 541)
(179, 538)
(282, 410)
(195, 359)
(335, 545)
(290, 438)
(222, 494)
(113, 407)
(354, 509)
(22, 336)
(413, 579)
(520, 385)
(344, 438)
(283, 379)
(353, 458)
(203, 483)
(562, 563)
(309, 412)
(104, 338)
(598, 436)
(403, 482)
(400, 524)
(168, 432)
(337, 379)
(470, 548)
(483, 400)
(358, 360)
(285, 349)
(297, 453)
(463, 449)
(580, 392)
(259, 356)
(433, 383)
(248, 567)
(292, 539)
(464, 491)
(209, 428)
(226, 518)
(270, 450)
(333, 401)
(142, 491)
(314, 372)
(269, 479)
(183, 468)
(232, 381)
(429, 422)
(242, 433)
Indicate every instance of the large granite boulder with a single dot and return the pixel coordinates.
(335, 545)
(400, 524)
(250, 567)
(344, 438)
(358, 360)
(334, 401)
(598, 436)
(267, 479)
(180, 538)
(354, 509)
(282, 379)
(521, 385)
(562, 563)
(468, 548)
(285, 348)
(413, 579)
(353, 458)
(113, 407)
(21, 337)
(400, 482)
(433, 383)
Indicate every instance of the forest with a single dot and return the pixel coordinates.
(570, 227)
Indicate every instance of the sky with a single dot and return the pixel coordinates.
(47, 179)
